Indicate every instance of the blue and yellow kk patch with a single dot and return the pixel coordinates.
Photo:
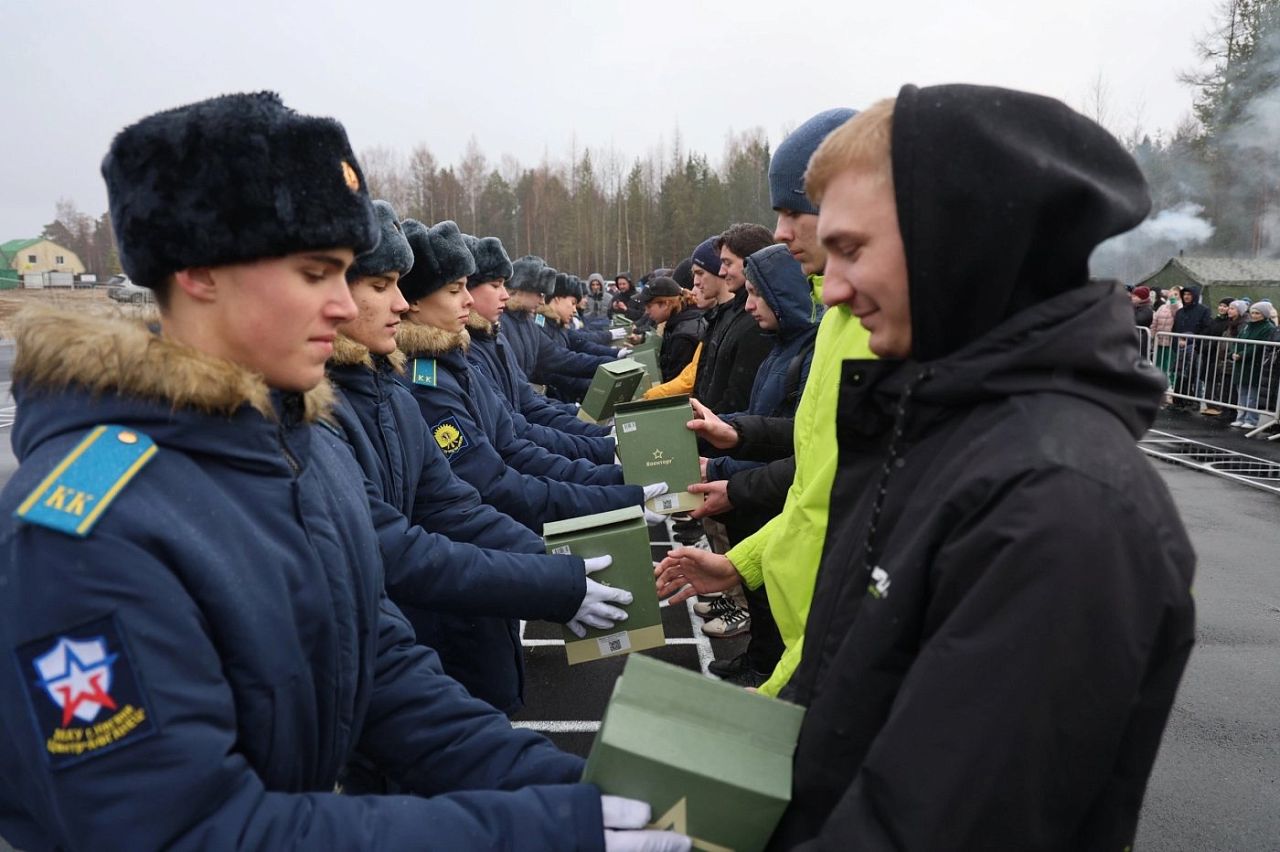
(74, 495)
(540, 320)
(84, 695)
(424, 371)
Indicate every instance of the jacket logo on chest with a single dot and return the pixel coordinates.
(449, 436)
(879, 586)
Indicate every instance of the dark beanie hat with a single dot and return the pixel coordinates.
(707, 256)
(439, 256)
(392, 254)
(231, 180)
(524, 274)
(491, 260)
(786, 169)
(1227, 300)
(683, 273)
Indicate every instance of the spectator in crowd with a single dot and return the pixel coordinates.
(1255, 366)
(1192, 319)
(595, 306)
(678, 319)
(1142, 312)
(1211, 360)
(1161, 326)
(624, 298)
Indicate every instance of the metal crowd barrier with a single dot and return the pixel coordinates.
(1221, 372)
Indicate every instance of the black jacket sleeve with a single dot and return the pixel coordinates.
(763, 438)
(763, 490)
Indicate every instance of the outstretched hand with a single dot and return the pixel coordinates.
(715, 500)
(689, 571)
(706, 425)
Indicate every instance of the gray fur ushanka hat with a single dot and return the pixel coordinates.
(229, 180)
(440, 255)
(492, 262)
(525, 274)
(392, 254)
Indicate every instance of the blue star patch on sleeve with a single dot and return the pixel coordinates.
(84, 695)
(450, 437)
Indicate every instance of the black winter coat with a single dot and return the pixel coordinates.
(680, 340)
(732, 351)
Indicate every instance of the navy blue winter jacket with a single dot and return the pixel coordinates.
(539, 358)
(193, 670)
(472, 427)
(461, 571)
(490, 353)
(567, 387)
(482, 356)
(781, 378)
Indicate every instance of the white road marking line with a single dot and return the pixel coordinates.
(542, 643)
(559, 727)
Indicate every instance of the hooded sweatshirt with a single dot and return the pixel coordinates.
(230, 605)
(978, 672)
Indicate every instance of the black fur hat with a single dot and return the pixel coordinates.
(546, 281)
(440, 255)
(563, 286)
(492, 262)
(230, 180)
(525, 274)
(392, 253)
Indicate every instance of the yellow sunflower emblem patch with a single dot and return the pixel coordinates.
(450, 437)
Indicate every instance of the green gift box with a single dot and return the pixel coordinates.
(623, 535)
(613, 383)
(620, 321)
(654, 445)
(712, 760)
(652, 372)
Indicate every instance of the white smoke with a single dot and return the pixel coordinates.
(1136, 254)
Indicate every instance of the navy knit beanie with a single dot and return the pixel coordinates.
(786, 169)
(230, 180)
(392, 254)
(706, 255)
(440, 255)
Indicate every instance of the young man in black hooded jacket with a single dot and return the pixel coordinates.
(990, 660)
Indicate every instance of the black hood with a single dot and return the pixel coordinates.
(1002, 196)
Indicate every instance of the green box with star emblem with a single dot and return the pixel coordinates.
(712, 760)
(614, 382)
(652, 372)
(654, 445)
(623, 535)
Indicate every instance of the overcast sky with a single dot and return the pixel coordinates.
(528, 77)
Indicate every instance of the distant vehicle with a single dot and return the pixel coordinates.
(115, 281)
(127, 291)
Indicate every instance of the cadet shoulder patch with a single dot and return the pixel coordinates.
(450, 437)
(424, 372)
(540, 320)
(72, 498)
(84, 695)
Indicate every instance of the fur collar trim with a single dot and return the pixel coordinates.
(480, 325)
(417, 340)
(347, 352)
(551, 315)
(115, 355)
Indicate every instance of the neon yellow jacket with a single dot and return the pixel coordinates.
(784, 553)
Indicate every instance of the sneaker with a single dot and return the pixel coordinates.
(1211, 412)
(716, 608)
(748, 677)
(732, 624)
(1237, 423)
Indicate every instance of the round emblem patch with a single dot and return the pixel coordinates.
(449, 437)
(350, 176)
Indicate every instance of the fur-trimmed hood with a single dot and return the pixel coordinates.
(57, 351)
(347, 353)
(426, 340)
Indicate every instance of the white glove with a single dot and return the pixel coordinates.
(622, 353)
(597, 563)
(654, 490)
(653, 518)
(623, 821)
(595, 611)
